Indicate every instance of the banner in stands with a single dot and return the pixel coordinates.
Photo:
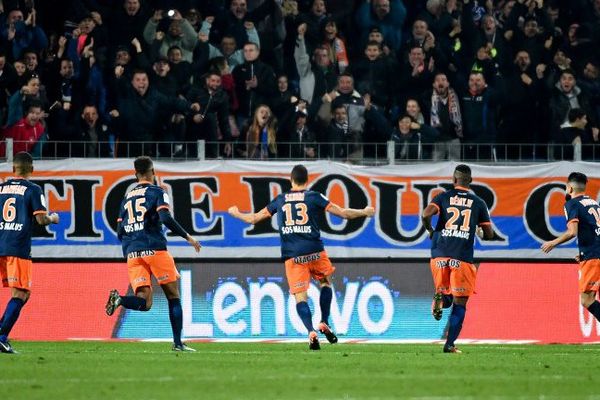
(380, 301)
(526, 204)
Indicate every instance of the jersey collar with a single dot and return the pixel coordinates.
(461, 188)
(577, 195)
(145, 183)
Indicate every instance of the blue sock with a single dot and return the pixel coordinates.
(176, 318)
(304, 312)
(456, 320)
(447, 299)
(134, 303)
(325, 303)
(13, 309)
(594, 308)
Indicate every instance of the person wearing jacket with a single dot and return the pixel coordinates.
(28, 132)
(213, 116)
(255, 83)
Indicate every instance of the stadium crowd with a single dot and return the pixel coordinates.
(438, 77)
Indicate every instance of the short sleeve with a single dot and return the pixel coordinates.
(484, 215)
(571, 212)
(273, 205)
(38, 201)
(321, 201)
(163, 202)
(437, 202)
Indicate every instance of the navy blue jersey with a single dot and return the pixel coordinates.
(297, 219)
(20, 200)
(460, 213)
(139, 223)
(586, 212)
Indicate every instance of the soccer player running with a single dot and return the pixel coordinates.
(142, 213)
(462, 215)
(583, 221)
(21, 202)
(301, 245)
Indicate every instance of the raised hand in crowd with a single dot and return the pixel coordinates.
(302, 29)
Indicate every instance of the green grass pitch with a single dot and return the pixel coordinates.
(136, 370)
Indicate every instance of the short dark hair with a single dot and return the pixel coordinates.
(23, 158)
(577, 177)
(373, 43)
(143, 165)
(299, 174)
(568, 71)
(462, 174)
(32, 103)
(575, 114)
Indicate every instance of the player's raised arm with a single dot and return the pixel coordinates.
(571, 232)
(45, 219)
(249, 218)
(350, 213)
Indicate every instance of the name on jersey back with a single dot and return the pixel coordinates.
(12, 189)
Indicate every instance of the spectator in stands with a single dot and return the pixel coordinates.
(8, 85)
(317, 77)
(388, 15)
(336, 48)
(19, 101)
(142, 112)
(520, 109)
(479, 107)
(213, 115)
(409, 137)
(31, 60)
(315, 20)
(437, 17)
(94, 135)
(127, 23)
(413, 108)
(442, 110)
(280, 104)
(232, 22)
(375, 74)
(338, 133)
(179, 33)
(261, 134)
(299, 140)
(254, 83)
(181, 69)
(228, 48)
(565, 96)
(28, 132)
(416, 74)
(347, 96)
(533, 38)
(572, 133)
(22, 33)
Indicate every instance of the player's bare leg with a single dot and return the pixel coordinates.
(171, 290)
(455, 323)
(142, 301)
(305, 315)
(325, 304)
(11, 314)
